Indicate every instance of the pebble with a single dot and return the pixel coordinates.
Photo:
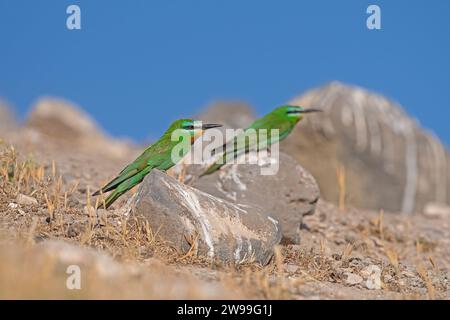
(291, 268)
(73, 230)
(408, 274)
(373, 275)
(352, 279)
(437, 210)
(26, 200)
(13, 205)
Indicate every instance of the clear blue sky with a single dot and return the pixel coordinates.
(137, 65)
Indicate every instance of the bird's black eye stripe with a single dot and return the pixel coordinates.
(190, 127)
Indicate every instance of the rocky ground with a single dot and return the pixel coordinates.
(48, 223)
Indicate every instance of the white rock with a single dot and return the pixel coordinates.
(372, 274)
(353, 279)
(221, 229)
(13, 205)
(436, 210)
(291, 268)
(26, 200)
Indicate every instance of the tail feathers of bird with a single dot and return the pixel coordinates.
(110, 199)
(121, 189)
(114, 183)
(212, 168)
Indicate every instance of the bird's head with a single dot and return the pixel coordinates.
(294, 113)
(194, 128)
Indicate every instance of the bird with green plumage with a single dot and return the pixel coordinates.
(283, 118)
(156, 156)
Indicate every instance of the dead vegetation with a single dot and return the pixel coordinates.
(340, 248)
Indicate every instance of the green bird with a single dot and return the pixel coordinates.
(157, 155)
(283, 118)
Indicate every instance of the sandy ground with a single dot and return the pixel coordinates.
(47, 224)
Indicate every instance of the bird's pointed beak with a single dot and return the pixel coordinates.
(310, 110)
(304, 111)
(210, 126)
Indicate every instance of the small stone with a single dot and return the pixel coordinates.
(372, 274)
(336, 256)
(73, 230)
(13, 205)
(352, 279)
(408, 274)
(436, 210)
(26, 200)
(291, 268)
(350, 238)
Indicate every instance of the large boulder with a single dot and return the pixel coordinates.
(193, 220)
(389, 161)
(289, 194)
(63, 122)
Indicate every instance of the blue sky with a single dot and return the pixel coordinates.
(137, 65)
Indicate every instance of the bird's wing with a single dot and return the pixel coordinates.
(234, 149)
(141, 163)
(128, 172)
(124, 187)
(268, 122)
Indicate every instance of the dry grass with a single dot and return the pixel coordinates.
(392, 255)
(126, 239)
(341, 179)
(129, 240)
(430, 287)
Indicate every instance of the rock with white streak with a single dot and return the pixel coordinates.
(289, 195)
(390, 162)
(193, 220)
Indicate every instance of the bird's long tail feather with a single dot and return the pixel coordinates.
(212, 168)
(115, 182)
(122, 188)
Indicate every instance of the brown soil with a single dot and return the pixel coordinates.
(339, 246)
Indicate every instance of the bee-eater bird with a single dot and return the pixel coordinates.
(283, 118)
(157, 155)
